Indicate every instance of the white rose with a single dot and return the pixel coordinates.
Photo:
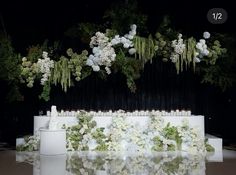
(89, 62)
(132, 51)
(95, 68)
(206, 35)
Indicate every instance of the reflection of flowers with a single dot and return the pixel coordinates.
(114, 164)
(111, 163)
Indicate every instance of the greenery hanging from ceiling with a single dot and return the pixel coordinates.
(117, 50)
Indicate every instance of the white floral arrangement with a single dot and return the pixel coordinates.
(179, 47)
(201, 47)
(104, 51)
(122, 136)
(132, 138)
(31, 143)
(45, 65)
(31, 70)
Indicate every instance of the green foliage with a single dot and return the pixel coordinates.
(101, 139)
(163, 45)
(29, 72)
(85, 127)
(217, 68)
(45, 95)
(80, 165)
(171, 133)
(62, 73)
(10, 68)
(77, 62)
(130, 67)
(172, 166)
(122, 14)
(35, 52)
(158, 144)
(84, 31)
(31, 144)
(75, 133)
(220, 66)
(145, 48)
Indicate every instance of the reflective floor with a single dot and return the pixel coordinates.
(97, 163)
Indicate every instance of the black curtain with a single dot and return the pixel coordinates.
(159, 88)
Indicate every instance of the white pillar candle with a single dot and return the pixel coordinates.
(177, 112)
(48, 113)
(162, 112)
(189, 113)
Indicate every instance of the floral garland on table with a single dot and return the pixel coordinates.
(31, 143)
(121, 136)
(85, 135)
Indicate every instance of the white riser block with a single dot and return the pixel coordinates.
(216, 143)
(52, 142)
(104, 121)
(50, 165)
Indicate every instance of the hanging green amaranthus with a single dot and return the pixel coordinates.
(145, 48)
(62, 73)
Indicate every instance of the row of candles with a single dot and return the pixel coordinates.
(134, 113)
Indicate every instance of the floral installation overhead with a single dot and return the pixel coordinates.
(112, 52)
(122, 44)
(121, 136)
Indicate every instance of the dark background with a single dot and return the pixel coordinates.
(31, 22)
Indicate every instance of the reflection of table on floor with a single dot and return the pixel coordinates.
(113, 163)
(50, 165)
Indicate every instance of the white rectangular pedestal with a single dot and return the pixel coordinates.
(52, 142)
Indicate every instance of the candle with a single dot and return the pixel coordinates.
(48, 113)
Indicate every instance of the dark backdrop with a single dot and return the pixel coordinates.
(30, 22)
(159, 88)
